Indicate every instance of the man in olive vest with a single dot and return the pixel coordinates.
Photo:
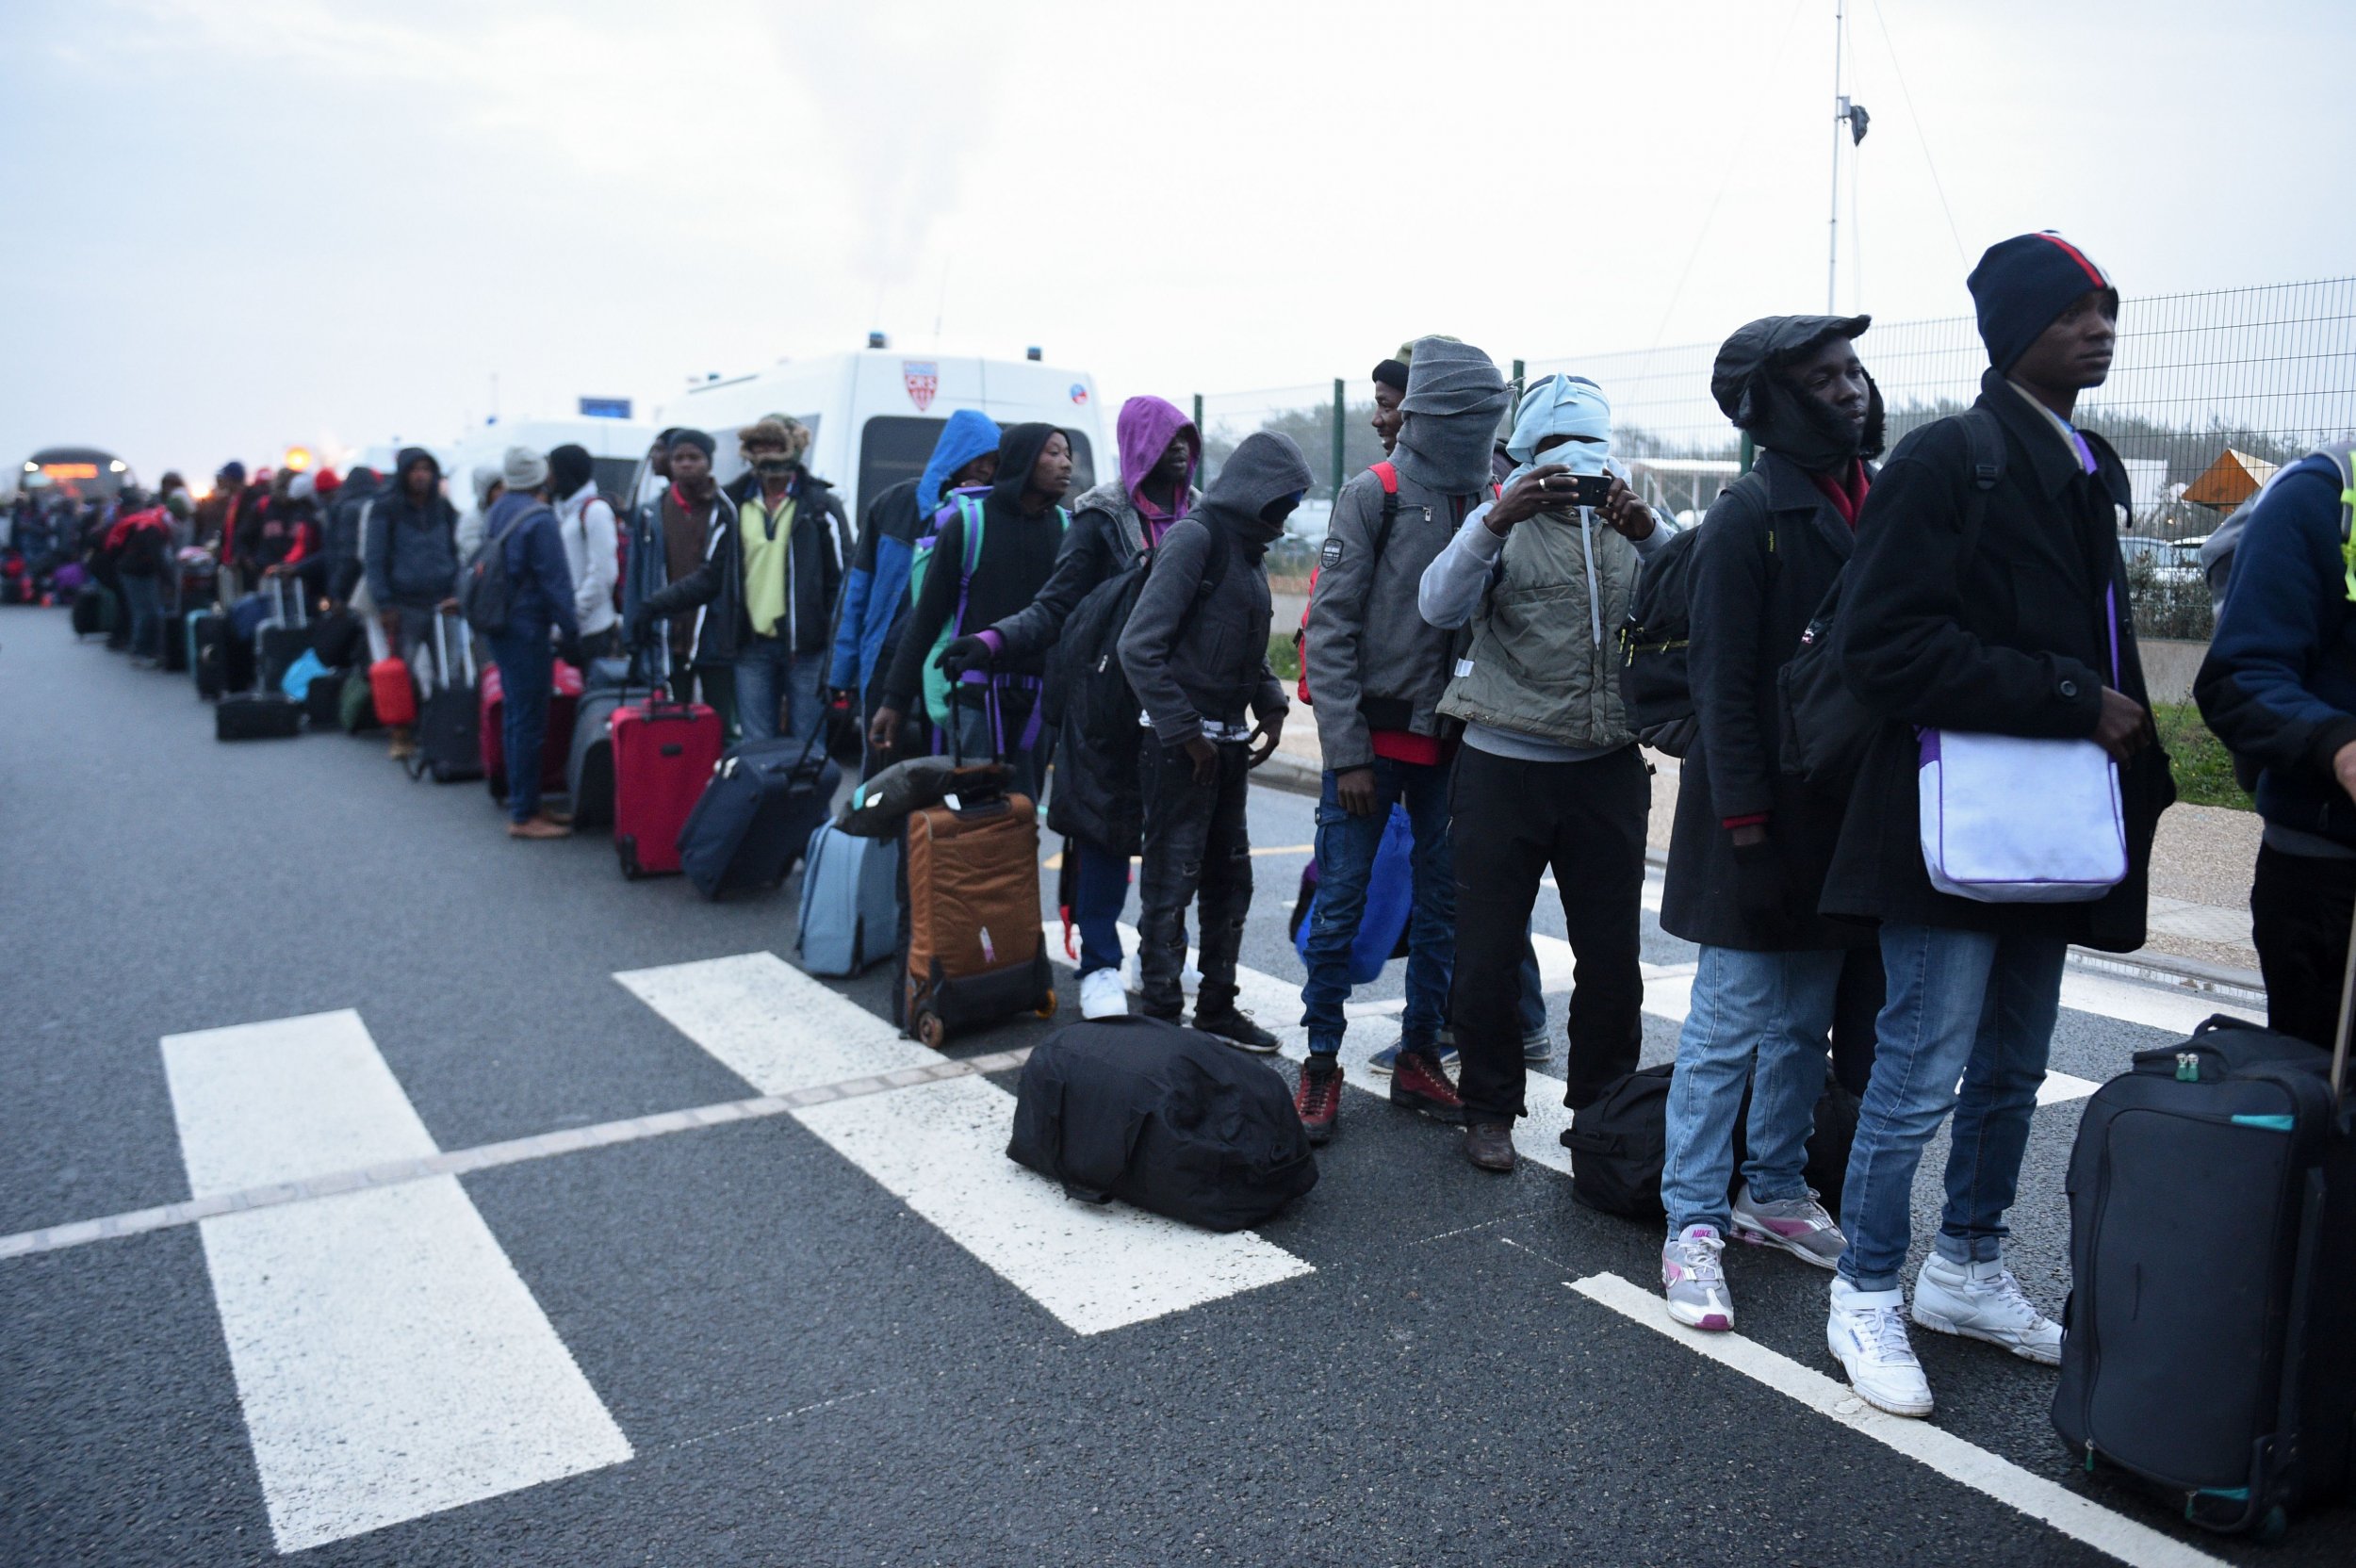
(1549, 776)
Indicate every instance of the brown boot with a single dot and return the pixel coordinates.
(537, 828)
(1490, 1145)
(404, 744)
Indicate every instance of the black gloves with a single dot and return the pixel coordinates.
(1760, 889)
(966, 653)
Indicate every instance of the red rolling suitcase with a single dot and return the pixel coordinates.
(556, 748)
(664, 755)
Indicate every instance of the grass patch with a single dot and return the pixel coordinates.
(2204, 770)
(1281, 657)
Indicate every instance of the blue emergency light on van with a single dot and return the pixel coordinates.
(605, 408)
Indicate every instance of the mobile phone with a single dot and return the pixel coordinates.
(1590, 489)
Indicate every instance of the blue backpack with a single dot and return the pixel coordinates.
(1390, 902)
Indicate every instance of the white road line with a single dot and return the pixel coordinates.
(2082, 1520)
(941, 1148)
(389, 1360)
(2153, 1007)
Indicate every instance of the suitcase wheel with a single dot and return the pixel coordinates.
(930, 1031)
(2273, 1525)
(1047, 1008)
(627, 848)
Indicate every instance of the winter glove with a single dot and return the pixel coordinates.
(1761, 889)
(966, 653)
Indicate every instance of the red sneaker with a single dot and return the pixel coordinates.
(1320, 1098)
(1420, 1086)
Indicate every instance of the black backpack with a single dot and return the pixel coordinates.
(1089, 705)
(1620, 1144)
(1825, 729)
(1656, 686)
(1167, 1119)
(485, 591)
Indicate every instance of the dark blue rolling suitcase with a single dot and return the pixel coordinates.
(2206, 1348)
(756, 816)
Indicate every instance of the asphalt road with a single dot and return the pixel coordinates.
(846, 1333)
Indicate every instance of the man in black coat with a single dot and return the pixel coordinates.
(2001, 611)
(1747, 861)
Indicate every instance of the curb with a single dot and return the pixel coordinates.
(1290, 775)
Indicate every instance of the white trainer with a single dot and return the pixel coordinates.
(1102, 996)
(1867, 1334)
(1982, 1300)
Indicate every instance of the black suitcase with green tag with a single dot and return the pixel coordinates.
(2207, 1348)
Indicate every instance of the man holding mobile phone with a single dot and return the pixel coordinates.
(1550, 775)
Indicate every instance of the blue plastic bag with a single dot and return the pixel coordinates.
(1390, 902)
(296, 682)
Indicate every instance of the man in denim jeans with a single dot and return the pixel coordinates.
(1375, 671)
(1990, 599)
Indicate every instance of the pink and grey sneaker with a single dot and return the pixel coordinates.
(1798, 1225)
(1693, 1280)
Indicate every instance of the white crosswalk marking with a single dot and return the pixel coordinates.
(389, 1361)
(941, 1149)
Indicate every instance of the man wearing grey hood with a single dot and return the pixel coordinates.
(1376, 671)
(1195, 653)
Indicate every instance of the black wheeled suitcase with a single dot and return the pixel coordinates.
(754, 818)
(222, 664)
(2206, 1346)
(589, 765)
(286, 636)
(257, 716)
(322, 699)
(450, 736)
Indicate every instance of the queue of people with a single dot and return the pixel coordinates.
(1462, 658)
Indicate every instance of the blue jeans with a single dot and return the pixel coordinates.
(143, 597)
(768, 677)
(1962, 1005)
(1101, 887)
(1760, 1019)
(527, 675)
(1346, 847)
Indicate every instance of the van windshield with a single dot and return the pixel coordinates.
(894, 446)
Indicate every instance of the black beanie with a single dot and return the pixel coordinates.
(1393, 374)
(2023, 284)
(694, 438)
(569, 466)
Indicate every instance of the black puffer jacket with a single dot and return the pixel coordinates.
(1767, 554)
(2011, 640)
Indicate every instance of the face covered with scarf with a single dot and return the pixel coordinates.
(1563, 420)
(1449, 416)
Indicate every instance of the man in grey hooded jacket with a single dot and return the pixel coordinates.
(1376, 672)
(1196, 654)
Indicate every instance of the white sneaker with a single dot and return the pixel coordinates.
(1867, 1333)
(1982, 1300)
(1693, 1282)
(1102, 996)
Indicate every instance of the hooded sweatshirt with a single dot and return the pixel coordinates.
(352, 503)
(1744, 381)
(1017, 551)
(1110, 525)
(1454, 399)
(1196, 658)
(875, 592)
(412, 548)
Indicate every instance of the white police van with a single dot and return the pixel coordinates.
(874, 415)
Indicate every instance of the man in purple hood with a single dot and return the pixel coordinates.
(1111, 526)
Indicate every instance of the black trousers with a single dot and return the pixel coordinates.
(1511, 822)
(1197, 848)
(1856, 1002)
(2299, 908)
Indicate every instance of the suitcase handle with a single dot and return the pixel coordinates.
(441, 650)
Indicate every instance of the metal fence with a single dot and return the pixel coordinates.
(2211, 386)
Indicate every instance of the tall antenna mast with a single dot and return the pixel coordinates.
(1840, 119)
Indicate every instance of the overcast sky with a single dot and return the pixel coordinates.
(234, 225)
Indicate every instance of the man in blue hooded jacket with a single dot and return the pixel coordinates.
(875, 593)
(2279, 688)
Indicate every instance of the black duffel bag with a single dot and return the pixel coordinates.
(1167, 1119)
(1620, 1143)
